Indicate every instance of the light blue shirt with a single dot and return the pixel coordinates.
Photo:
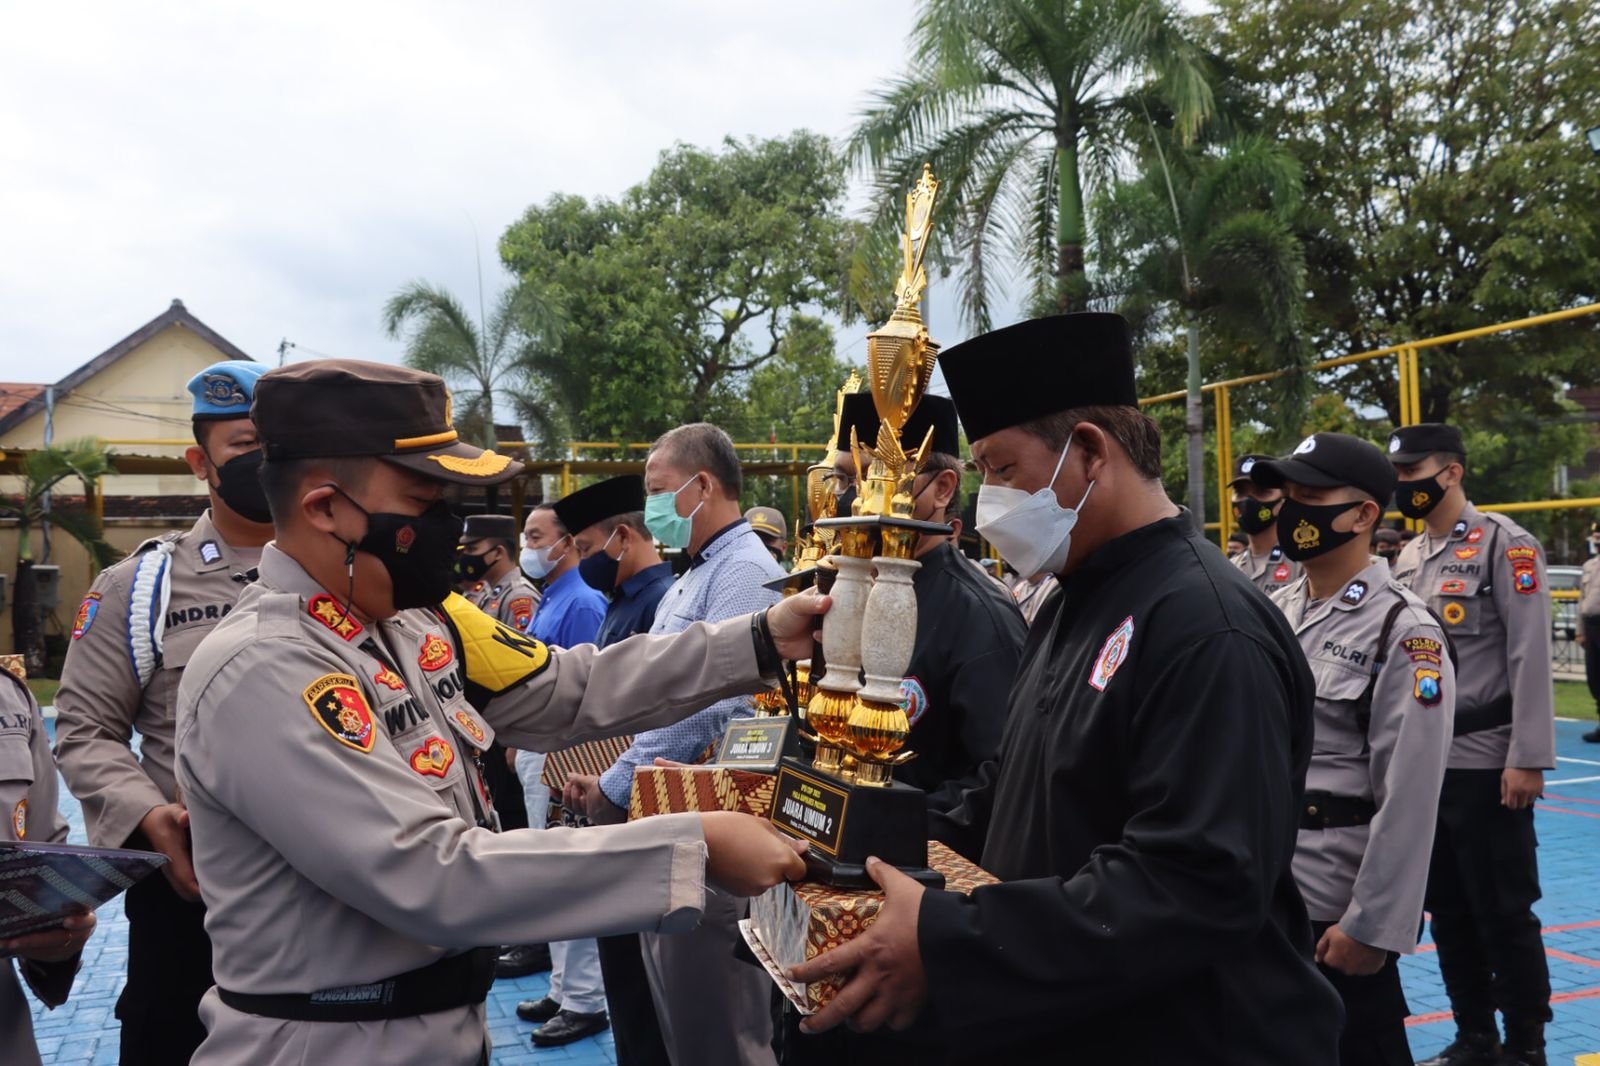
(724, 581)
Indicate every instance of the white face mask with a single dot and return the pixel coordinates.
(1030, 530)
(536, 562)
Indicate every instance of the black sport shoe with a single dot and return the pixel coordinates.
(568, 1026)
(522, 960)
(1593, 735)
(538, 1010)
(1468, 1049)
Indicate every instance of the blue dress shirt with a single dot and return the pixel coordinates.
(569, 614)
(633, 604)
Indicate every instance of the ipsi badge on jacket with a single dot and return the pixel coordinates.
(85, 616)
(1112, 655)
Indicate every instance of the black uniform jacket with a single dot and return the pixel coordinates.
(1143, 811)
(969, 642)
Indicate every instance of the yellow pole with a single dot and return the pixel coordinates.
(566, 479)
(794, 486)
(1404, 381)
(1415, 373)
(1224, 422)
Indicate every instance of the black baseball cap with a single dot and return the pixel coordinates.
(1412, 444)
(1246, 463)
(337, 408)
(1328, 460)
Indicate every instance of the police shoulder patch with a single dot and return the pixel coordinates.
(209, 552)
(85, 616)
(1524, 569)
(433, 758)
(1422, 649)
(435, 653)
(1354, 592)
(19, 819)
(1427, 687)
(339, 707)
(1113, 653)
(521, 610)
(327, 610)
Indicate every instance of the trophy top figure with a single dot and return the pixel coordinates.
(900, 355)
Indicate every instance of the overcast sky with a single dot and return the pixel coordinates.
(283, 168)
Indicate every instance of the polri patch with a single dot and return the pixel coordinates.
(435, 653)
(85, 616)
(1354, 592)
(327, 610)
(19, 819)
(470, 724)
(389, 679)
(339, 707)
(209, 552)
(434, 758)
(522, 611)
(1113, 653)
(1422, 649)
(1427, 688)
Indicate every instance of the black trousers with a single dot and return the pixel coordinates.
(169, 969)
(1590, 626)
(1482, 885)
(1374, 1013)
(634, 1027)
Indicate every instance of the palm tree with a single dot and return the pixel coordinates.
(1015, 103)
(42, 471)
(1212, 233)
(480, 360)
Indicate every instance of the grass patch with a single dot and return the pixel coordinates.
(1573, 700)
(43, 689)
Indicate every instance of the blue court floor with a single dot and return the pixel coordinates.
(1568, 819)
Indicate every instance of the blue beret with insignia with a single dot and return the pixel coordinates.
(224, 390)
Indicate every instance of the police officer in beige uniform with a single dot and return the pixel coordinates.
(1255, 512)
(1385, 700)
(1484, 575)
(488, 557)
(49, 958)
(326, 750)
(131, 639)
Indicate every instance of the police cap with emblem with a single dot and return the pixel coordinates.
(1328, 460)
(337, 408)
(861, 414)
(490, 527)
(1412, 444)
(1040, 367)
(224, 390)
(1246, 463)
(766, 521)
(579, 510)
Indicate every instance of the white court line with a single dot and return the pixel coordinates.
(1573, 781)
(1580, 762)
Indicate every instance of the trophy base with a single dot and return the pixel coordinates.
(844, 823)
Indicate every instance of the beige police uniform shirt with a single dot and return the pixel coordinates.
(1268, 572)
(102, 700)
(511, 600)
(1370, 879)
(333, 797)
(1589, 588)
(1486, 580)
(28, 794)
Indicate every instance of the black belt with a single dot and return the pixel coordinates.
(1489, 716)
(1324, 810)
(454, 981)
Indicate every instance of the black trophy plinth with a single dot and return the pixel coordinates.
(844, 823)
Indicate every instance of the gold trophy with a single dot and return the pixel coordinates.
(846, 803)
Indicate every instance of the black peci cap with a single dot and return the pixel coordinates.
(605, 499)
(861, 415)
(1412, 444)
(337, 408)
(1246, 463)
(1040, 367)
(489, 527)
(1327, 460)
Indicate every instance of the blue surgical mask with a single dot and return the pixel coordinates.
(662, 519)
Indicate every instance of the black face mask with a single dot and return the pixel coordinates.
(471, 567)
(418, 551)
(1415, 499)
(1306, 531)
(239, 486)
(1253, 516)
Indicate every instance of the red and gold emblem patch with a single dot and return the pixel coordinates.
(19, 819)
(1454, 613)
(433, 759)
(435, 654)
(1422, 649)
(85, 616)
(404, 538)
(1524, 569)
(339, 707)
(1476, 535)
(1466, 553)
(1427, 689)
(470, 724)
(1454, 585)
(327, 610)
(1281, 573)
(522, 611)
(389, 679)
